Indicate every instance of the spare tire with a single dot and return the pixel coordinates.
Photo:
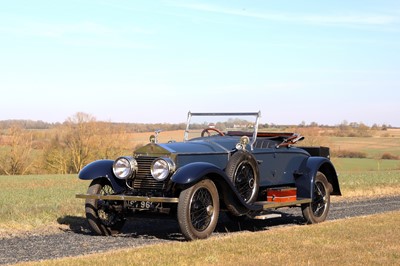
(243, 170)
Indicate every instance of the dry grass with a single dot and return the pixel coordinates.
(371, 240)
(374, 146)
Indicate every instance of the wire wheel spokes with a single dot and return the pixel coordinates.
(106, 215)
(198, 209)
(245, 180)
(107, 190)
(319, 203)
(201, 209)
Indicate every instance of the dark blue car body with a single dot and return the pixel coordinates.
(233, 171)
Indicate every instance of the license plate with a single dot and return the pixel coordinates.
(144, 205)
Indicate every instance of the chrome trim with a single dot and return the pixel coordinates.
(186, 136)
(127, 198)
(255, 130)
(144, 180)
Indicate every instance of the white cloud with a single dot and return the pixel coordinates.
(349, 19)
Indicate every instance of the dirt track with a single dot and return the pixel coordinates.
(78, 240)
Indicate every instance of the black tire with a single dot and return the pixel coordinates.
(101, 218)
(243, 170)
(198, 210)
(317, 210)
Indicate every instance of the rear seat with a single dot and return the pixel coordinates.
(265, 143)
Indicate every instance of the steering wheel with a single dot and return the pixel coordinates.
(211, 129)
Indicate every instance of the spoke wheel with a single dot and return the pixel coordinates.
(101, 214)
(317, 210)
(198, 210)
(243, 171)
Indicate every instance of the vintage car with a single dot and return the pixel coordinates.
(223, 164)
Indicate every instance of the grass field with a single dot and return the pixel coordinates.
(366, 164)
(373, 146)
(28, 202)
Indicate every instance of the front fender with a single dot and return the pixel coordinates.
(192, 173)
(102, 169)
(305, 184)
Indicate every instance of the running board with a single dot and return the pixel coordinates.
(274, 205)
(267, 216)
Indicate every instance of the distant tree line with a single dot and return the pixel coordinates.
(128, 127)
(26, 124)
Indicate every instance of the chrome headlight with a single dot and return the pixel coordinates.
(161, 168)
(124, 167)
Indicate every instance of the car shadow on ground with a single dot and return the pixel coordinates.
(167, 227)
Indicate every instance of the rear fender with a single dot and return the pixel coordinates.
(102, 169)
(305, 184)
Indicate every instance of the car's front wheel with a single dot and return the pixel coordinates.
(102, 215)
(198, 210)
(317, 210)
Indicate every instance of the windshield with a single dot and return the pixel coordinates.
(207, 124)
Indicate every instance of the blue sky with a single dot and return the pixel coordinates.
(153, 61)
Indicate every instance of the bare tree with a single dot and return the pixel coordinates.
(15, 158)
(56, 157)
(81, 140)
(80, 128)
(109, 142)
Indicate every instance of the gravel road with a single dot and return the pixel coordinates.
(78, 240)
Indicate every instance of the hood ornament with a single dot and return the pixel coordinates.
(154, 138)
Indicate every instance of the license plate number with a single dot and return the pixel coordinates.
(141, 204)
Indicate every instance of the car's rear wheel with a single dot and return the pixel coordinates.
(198, 210)
(102, 215)
(243, 170)
(317, 210)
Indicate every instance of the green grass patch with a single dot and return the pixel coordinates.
(369, 183)
(365, 164)
(371, 240)
(32, 201)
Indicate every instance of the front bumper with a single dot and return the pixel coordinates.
(127, 198)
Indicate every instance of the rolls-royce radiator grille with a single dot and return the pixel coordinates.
(144, 179)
